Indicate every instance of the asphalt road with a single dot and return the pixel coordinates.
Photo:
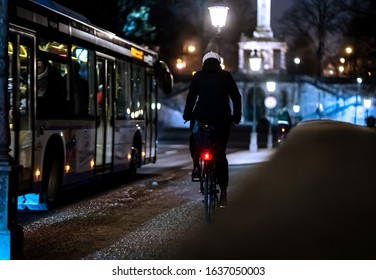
(152, 217)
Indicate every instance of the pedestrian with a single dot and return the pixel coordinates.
(208, 101)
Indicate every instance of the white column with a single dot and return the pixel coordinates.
(263, 29)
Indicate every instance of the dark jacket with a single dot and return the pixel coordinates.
(212, 88)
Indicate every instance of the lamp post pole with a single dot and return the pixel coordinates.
(297, 85)
(359, 81)
(11, 235)
(255, 65)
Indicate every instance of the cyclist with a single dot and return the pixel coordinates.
(208, 101)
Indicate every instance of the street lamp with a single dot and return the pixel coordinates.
(297, 62)
(270, 103)
(296, 109)
(218, 15)
(297, 87)
(367, 102)
(359, 81)
(255, 65)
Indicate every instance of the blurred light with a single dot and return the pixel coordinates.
(255, 62)
(359, 80)
(296, 108)
(191, 48)
(349, 50)
(206, 156)
(367, 102)
(270, 86)
(270, 102)
(341, 69)
(37, 173)
(297, 60)
(180, 64)
(342, 60)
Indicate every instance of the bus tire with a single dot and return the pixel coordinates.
(52, 180)
(134, 162)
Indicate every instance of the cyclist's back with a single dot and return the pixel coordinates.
(208, 101)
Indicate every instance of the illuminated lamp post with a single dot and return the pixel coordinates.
(255, 65)
(367, 102)
(297, 90)
(296, 109)
(270, 103)
(297, 62)
(218, 15)
(359, 81)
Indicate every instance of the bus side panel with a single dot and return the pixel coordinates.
(124, 136)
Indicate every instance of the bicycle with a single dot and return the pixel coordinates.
(204, 136)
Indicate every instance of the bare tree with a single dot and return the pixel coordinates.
(317, 25)
(361, 34)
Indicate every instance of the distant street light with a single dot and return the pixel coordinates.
(255, 65)
(218, 15)
(296, 108)
(297, 62)
(359, 81)
(297, 87)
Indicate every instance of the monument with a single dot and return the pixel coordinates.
(271, 50)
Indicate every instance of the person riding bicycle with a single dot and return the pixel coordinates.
(208, 101)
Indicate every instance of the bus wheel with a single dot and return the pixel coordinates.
(51, 182)
(135, 162)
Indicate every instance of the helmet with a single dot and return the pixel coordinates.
(211, 55)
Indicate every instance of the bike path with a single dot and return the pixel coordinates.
(248, 157)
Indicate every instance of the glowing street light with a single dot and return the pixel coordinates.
(367, 103)
(218, 15)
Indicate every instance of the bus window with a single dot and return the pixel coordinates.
(80, 85)
(51, 89)
(53, 47)
(123, 101)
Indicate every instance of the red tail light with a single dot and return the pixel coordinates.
(207, 156)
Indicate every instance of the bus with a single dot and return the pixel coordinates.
(83, 102)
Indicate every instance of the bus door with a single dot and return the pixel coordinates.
(151, 116)
(20, 85)
(104, 115)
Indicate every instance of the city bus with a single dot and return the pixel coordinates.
(83, 101)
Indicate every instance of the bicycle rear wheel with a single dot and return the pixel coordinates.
(210, 196)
